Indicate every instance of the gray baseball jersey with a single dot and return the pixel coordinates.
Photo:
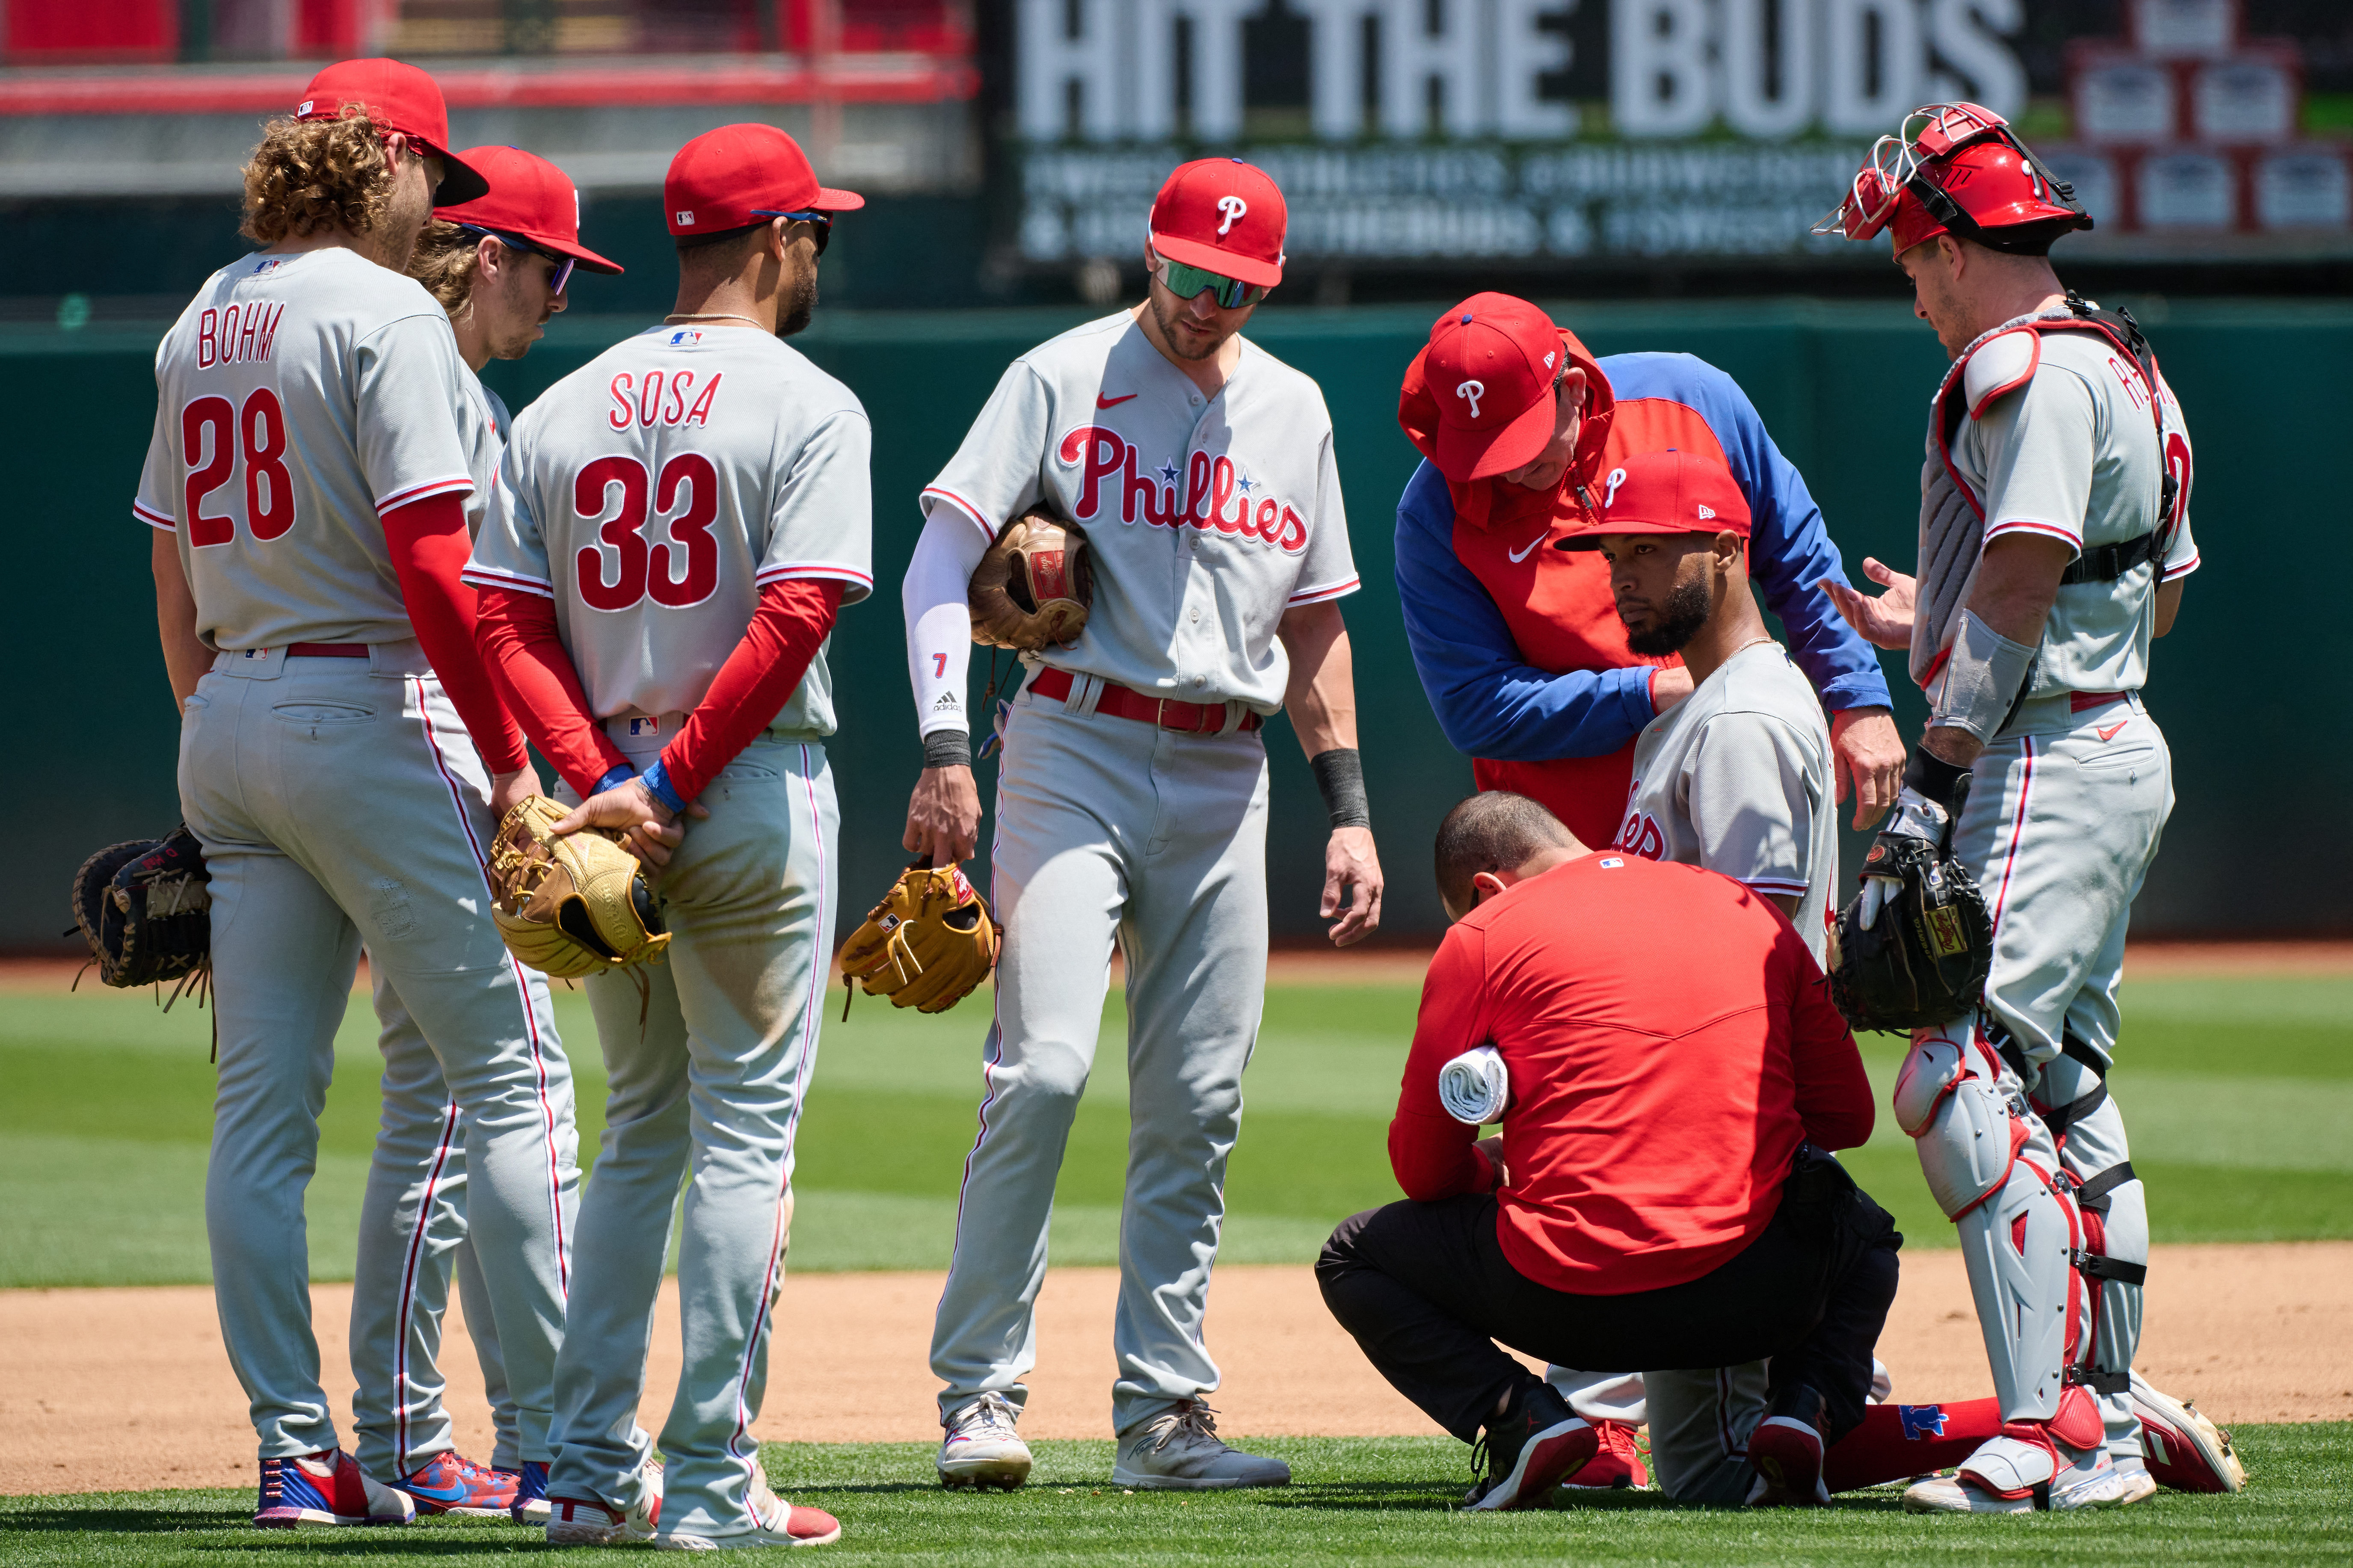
(654, 492)
(299, 398)
(1207, 518)
(483, 426)
(2025, 454)
(1735, 778)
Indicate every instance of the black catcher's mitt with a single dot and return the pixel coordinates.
(1918, 960)
(145, 908)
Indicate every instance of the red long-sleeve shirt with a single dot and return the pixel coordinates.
(526, 654)
(1670, 1043)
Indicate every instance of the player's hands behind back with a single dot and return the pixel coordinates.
(1351, 862)
(648, 830)
(1885, 621)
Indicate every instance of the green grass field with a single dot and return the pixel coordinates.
(2239, 1094)
(1372, 1501)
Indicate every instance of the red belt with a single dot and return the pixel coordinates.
(1165, 713)
(326, 650)
(2079, 701)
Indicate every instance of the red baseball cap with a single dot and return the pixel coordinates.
(1664, 492)
(1223, 215)
(1490, 364)
(530, 198)
(736, 176)
(396, 97)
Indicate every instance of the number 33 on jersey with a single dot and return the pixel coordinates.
(645, 494)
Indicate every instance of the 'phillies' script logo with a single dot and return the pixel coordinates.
(1217, 497)
(1640, 834)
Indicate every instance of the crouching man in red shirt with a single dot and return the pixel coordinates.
(1661, 1199)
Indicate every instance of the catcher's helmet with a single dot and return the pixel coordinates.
(1958, 169)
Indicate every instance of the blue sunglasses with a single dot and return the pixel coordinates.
(823, 223)
(564, 264)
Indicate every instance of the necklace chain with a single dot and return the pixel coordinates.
(711, 316)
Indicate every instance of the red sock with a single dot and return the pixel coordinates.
(1896, 1442)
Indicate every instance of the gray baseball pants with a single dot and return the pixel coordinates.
(1111, 830)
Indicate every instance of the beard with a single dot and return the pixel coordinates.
(799, 307)
(1167, 319)
(1689, 604)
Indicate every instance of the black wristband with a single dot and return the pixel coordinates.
(1340, 776)
(1933, 776)
(947, 749)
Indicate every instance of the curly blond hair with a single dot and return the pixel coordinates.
(310, 175)
(447, 260)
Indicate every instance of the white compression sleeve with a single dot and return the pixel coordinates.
(939, 625)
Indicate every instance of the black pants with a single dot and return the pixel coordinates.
(1426, 1290)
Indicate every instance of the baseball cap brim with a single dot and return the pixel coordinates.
(1465, 456)
(1591, 538)
(1209, 259)
(460, 181)
(832, 201)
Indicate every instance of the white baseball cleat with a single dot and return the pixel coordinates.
(775, 1522)
(1179, 1450)
(2182, 1448)
(2138, 1485)
(2009, 1474)
(981, 1449)
(592, 1521)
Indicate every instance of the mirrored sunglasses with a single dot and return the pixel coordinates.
(821, 222)
(1230, 293)
(564, 264)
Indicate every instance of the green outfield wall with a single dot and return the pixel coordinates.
(2249, 687)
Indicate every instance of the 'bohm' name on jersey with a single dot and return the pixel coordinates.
(661, 397)
(236, 335)
(1216, 494)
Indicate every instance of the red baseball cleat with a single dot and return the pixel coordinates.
(448, 1483)
(1616, 1462)
(326, 1488)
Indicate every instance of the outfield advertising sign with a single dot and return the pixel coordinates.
(1409, 131)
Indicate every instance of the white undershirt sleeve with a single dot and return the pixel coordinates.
(939, 623)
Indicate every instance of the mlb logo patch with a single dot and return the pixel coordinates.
(268, 263)
(645, 727)
(683, 220)
(1611, 862)
(253, 653)
(685, 337)
(1921, 1421)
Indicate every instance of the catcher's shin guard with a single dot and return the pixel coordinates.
(1992, 1169)
(2073, 1102)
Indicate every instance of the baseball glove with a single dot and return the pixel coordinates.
(145, 908)
(572, 906)
(1033, 587)
(1914, 949)
(925, 945)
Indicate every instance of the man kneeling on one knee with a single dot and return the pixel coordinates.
(1661, 1198)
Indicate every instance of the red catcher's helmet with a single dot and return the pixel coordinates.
(1958, 169)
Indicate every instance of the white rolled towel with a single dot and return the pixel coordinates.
(1474, 1086)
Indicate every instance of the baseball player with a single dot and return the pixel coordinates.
(344, 757)
(2054, 535)
(1521, 654)
(498, 264)
(1132, 803)
(675, 527)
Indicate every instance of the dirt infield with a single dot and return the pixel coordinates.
(129, 1388)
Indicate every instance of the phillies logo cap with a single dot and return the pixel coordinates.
(1490, 365)
(398, 98)
(1664, 492)
(530, 198)
(734, 176)
(1225, 217)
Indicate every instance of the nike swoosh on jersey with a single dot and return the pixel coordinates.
(1519, 555)
(1102, 402)
(2110, 732)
